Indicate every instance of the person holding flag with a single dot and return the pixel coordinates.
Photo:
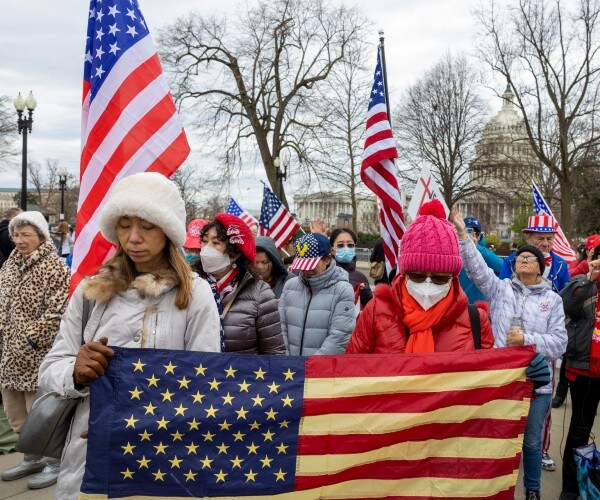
(145, 296)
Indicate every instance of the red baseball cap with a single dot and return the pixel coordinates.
(193, 239)
(592, 242)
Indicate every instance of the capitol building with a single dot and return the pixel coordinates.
(503, 169)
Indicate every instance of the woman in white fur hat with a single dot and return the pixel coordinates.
(145, 296)
(34, 287)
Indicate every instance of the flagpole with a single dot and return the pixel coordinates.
(384, 70)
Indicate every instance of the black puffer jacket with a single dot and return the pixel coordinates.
(579, 301)
(252, 322)
(356, 277)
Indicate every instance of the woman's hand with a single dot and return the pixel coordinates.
(459, 223)
(91, 361)
(594, 270)
(515, 339)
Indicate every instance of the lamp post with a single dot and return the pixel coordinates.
(281, 176)
(63, 173)
(24, 126)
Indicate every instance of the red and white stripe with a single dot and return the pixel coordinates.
(281, 227)
(131, 126)
(378, 172)
(301, 264)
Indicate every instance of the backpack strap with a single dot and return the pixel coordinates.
(475, 324)
(88, 305)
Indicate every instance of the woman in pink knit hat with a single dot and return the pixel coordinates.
(424, 309)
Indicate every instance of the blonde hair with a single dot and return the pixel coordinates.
(176, 262)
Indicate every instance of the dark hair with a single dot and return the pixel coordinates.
(277, 269)
(596, 255)
(336, 232)
(241, 260)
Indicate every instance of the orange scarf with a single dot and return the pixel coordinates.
(420, 322)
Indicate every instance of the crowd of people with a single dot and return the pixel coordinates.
(217, 287)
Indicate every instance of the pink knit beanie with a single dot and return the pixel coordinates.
(430, 243)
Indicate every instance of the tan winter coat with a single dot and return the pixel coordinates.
(144, 315)
(33, 298)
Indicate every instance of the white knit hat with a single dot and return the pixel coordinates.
(34, 218)
(150, 196)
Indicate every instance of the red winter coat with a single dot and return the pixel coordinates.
(380, 328)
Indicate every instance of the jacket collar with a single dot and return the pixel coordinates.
(531, 289)
(350, 266)
(45, 249)
(327, 278)
(110, 280)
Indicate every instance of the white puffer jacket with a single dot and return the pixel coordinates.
(540, 308)
(143, 316)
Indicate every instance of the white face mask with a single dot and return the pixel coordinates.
(213, 261)
(427, 294)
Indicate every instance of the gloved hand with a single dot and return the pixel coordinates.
(91, 361)
(538, 371)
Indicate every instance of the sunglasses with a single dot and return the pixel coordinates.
(345, 245)
(436, 279)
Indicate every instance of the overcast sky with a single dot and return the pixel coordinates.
(42, 46)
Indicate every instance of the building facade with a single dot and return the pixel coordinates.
(504, 166)
(336, 209)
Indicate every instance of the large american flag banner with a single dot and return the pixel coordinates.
(561, 244)
(276, 221)
(378, 171)
(175, 424)
(129, 122)
(236, 209)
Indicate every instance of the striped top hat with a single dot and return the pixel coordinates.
(309, 249)
(541, 224)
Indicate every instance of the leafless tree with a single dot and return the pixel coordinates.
(440, 120)
(44, 178)
(250, 83)
(195, 187)
(8, 131)
(549, 55)
(337, 141)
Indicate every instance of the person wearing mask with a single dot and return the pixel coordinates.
(144, 296)
(34, 288)
(491, 259)
(540, 233)
(524, 311)
(425, 309)
(270, 266)
(317, 307)
(227, 261)
(193, 241)
(6, 244)
(343, 248)
(581, 299)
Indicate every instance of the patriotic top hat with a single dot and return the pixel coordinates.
(309, 249)
(541, 224)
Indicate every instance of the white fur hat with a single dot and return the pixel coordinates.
(149, 196)
(34, 218)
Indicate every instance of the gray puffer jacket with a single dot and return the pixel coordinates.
(318, 315)
(251, 325)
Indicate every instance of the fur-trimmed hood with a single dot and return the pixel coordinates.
(111, 280)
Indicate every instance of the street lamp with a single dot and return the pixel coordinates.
(281, 176)
(24, 126)
(63, 173)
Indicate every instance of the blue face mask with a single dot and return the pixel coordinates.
(345, 255)
(192, 259)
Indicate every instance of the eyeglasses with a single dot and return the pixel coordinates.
(23, 236)
(526, 258)
(436, 279)
(345, 245)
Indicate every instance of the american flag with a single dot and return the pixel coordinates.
(561, 244)
(129, 122)
(235, 208)
(275, 220)
(173, 424)
(378, 171)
